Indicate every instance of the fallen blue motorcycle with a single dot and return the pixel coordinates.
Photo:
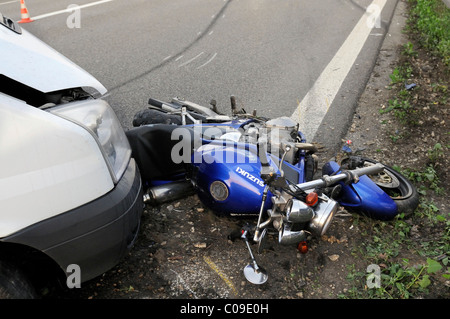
(246, 165)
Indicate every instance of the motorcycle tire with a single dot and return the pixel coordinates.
(398, 187)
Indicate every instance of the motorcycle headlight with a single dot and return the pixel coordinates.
(298, 212)
(324, 211)
(99, 119)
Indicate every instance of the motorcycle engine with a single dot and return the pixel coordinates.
(275, 133)
(228, 177)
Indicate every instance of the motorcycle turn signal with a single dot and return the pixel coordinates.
(302, 247)
(312, 199)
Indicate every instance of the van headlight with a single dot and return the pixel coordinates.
(97, 117)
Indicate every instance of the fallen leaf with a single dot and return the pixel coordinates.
(333, 257)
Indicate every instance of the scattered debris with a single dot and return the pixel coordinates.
(334, 257)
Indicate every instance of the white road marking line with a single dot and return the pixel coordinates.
(167, 58)
(179, 58)
(187, 62)
(8, 2)
(212, 58)
(69, 10)
(313, 107)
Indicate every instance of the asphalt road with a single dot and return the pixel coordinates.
(270, 54)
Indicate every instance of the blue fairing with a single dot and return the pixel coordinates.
(364, 196)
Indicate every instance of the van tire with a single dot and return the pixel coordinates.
(14, 284)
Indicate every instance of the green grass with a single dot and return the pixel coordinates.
(427, 179)
(431, 20)
(400, 107)
(429, 25)
(408, 267)
(402, 276)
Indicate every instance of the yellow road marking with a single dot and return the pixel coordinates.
(213, 266)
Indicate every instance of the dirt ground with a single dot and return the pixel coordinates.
(183, 250)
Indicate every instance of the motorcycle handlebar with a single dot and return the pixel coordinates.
(347, 176)
(171, 107)
(156, 103)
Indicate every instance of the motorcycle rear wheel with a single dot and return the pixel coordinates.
(397, 186)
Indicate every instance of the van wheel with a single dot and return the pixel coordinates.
(14, 284)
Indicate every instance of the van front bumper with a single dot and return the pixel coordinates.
(94, 236)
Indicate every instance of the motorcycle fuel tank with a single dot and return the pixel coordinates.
(227, 176)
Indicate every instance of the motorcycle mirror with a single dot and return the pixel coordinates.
(255, 274)
(252, 272)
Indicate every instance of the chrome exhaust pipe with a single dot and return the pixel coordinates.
(287, 237)
(168, 192)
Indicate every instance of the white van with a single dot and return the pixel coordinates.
(70, 192)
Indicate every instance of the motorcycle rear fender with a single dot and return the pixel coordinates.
(364, 196)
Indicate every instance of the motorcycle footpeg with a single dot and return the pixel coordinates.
(246, 234)
(262, 242)
(235, 234)
(241, 233)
